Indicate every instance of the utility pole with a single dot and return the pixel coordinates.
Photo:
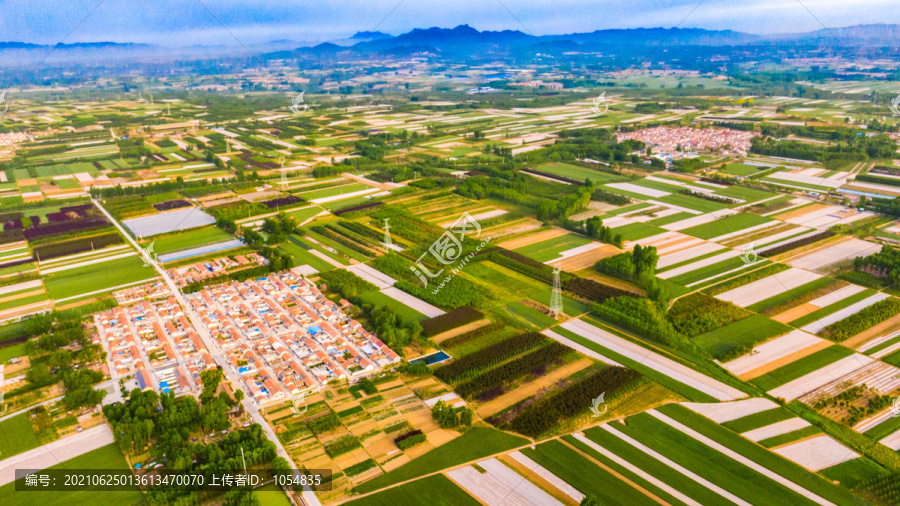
(556, 307)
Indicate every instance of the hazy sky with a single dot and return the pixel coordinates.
(185, 22)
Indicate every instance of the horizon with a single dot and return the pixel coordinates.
(226, 22)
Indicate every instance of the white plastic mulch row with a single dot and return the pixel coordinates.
(699, 220)
(727, 411)
(744, 231)
(659, 240)
(377, 278)
(837, 295)
(848, 250)
(20, 286)
(817, 453)
(480, 216)
(665, 460)
(812, 180)
(769, 239)
(579, 348)
(682, 209)
(776, 429)
(413, 302)
(772, 245)
(739, 458)
(88, 262)
(686, 254)
(817, 326)
(768, 287)
(816, 379)
(678, 245)
(670, 368)
(548, 476)
(636, 470)
(772, 350)
(500, 485)
(875, 342)
(671, 273)
(892, 441)
(836, 213)
(641, 190)
(577, 251)
(616, 221)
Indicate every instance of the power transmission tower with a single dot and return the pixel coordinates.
(556, 307)
(387, 233)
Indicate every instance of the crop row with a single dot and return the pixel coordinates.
(470, 365)
(473, 334)
(856, 323)
(355, 246)
(777, 250)
(70, 247)
(513, 370)
(448, 321)
(574, 400)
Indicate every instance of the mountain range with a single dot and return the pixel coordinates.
(462, 42)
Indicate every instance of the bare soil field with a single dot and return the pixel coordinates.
(771, 366)
(526, 240)
(530, 389)
(585, 260)
(460, 330)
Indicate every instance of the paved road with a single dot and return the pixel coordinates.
(212, 347)
(56, 452)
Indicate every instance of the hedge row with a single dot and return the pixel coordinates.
(868, 317)
(796, 244)
(448, 321)
(343, 240)
(241, 275)
(324, 424)
(872, 178)
(469, 365)
(586, 288)
(410, 439)
(512, 370)
(70, 247)
(575, 400)
(473, 334)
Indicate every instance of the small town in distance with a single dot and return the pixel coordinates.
(438, 263)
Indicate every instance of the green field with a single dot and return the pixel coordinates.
(187, 240)
(379, 299)
(439, 490)
(739, 169)
(107, 457)
(551, 248)
(790, 437)
(832, 308)
(709, 271)
(518, 314)
(801, 367)
(636, 231)
(579, 173)
(16, 436)
(271, 495)
(757, 420)
(478, 442)
(745, 332)
(302, 256)
(790, 295)
(761, 456)
(588, 478)
(101, 276)
(726, 225)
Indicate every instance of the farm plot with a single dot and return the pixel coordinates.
(670, 368)
(88, 280)
(498, 484)
(729, 226)
(823, 217)
(438, 488)
(731, 339)
(188, 240)
(832, 254)
(820, 377)
(766, 288)
(727, 411)
(700, 224)
(727, 474)
(550, 249)
(637, 191)
(776, 429)
(670, 258)
(168, 222)
(700, 264)
(820, 324)
(764, 357)
(817, 453)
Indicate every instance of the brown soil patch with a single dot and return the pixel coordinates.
(798, 312)
(379, 445)
(883, 328)
(537, 480)
(395, 463)
(543, 235)
(460, 330)
(771, 366)
(679, 245)
(532, 388)
(27, 182)
(586, 259)
(796, 213)
(611, 281)
(616, 474)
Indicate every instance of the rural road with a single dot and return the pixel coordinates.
(309, 497)
(58, 451)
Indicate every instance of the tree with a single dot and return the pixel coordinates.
(238, 395)
(210, 379)
(591, 500)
